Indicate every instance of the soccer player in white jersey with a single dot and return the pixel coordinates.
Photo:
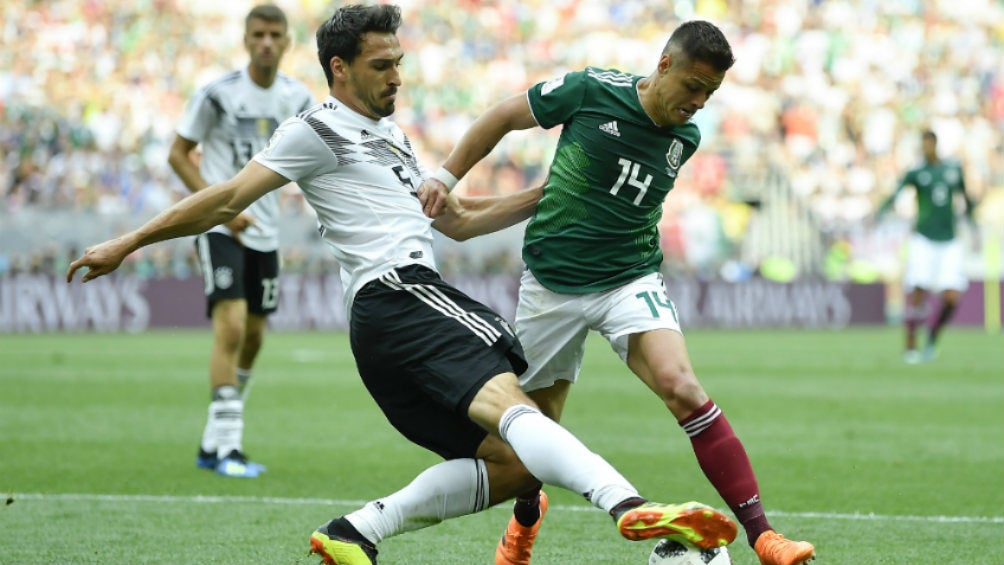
(593, 256)
(440, 365)
(232, 118)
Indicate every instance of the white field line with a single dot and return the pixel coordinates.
(211, 499)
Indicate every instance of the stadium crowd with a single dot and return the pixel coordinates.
(827, 95)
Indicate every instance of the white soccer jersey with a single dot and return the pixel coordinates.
(233, 118)
(361, 176)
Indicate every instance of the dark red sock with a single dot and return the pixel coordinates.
(723, 459)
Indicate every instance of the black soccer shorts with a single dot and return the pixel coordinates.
(424, 349)
(232, 271)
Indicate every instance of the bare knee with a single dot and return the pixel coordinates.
(679, 390)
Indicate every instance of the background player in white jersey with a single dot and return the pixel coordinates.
(593, 256)
(440, 365)
(232, 118)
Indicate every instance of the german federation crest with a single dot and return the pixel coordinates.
(673, 157)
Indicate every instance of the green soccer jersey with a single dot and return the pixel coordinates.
(935, 184)
(596, 226)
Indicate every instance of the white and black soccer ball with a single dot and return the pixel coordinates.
(670, 552)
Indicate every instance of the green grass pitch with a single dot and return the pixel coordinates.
(874, 461)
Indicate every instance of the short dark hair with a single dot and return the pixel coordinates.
(929, 134)
(268, 12)
(341, 35)
(702, 41)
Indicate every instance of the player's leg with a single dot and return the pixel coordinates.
(225, 423)
(463, 486)
(919, 275)
(915, 313)
(529, 507)
(951, 282)
(949, 303)
(553, 331)
(399, 325)
(399, 351)
(555, 456)
(222, 262)
(660, 359)
(254, 338)
(642, 325)
(262, 286)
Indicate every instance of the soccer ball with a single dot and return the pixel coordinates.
(670, 552)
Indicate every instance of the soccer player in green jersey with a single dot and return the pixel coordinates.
(935, 258)
(593, 256)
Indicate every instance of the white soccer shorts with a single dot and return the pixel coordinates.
(935, 266)
(553, 327)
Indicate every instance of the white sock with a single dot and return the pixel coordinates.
(226, 421)
(555, 456)
(244, 383)
(208, 443)
(446, 490)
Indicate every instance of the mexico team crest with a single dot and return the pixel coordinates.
(673, 157)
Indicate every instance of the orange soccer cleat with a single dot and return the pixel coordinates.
(774, 549)
(691, 523)
(517, 542)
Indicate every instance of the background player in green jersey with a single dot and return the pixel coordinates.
(593, 255)
(936, 254)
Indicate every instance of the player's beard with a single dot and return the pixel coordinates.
(381, 106)
(377, 103)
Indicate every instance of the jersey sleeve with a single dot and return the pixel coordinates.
(909, 179)
(555, 101)
(295, 151)
(199, 117)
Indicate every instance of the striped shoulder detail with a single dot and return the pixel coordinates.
(316, 108)
(214, 90)
(340, 146)
(613, 78)
(223, 81)
(291, 82)
(286, 79)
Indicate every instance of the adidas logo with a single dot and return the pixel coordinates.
(611, 128)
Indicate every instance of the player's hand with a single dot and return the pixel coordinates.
(238, 225)
(432, 194)
(100, 259)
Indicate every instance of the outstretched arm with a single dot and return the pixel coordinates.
(181, 161)
(465, 218)
(195, 214)
(886, 204)
(484, 134)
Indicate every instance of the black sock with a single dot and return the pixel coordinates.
(342, 528)
(527, 510)
(625, 505)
